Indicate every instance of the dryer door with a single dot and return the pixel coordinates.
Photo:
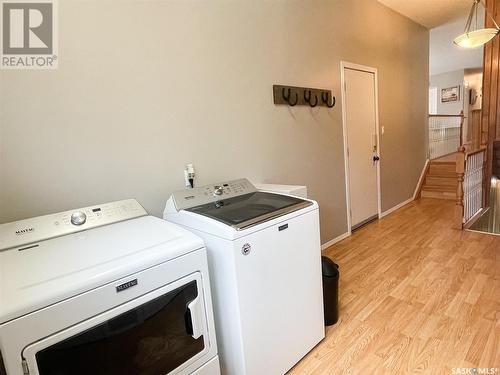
(157, 333)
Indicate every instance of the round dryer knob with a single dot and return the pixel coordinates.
(78, 218)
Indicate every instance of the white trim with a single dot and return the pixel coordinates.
(346, 160)
(335, 240)
(396, 207)
(422, 176)
(347, 65)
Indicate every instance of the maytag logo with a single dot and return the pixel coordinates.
(29, 34)
(20, 232)
(125, 286)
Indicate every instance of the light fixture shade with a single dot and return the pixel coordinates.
(476, 38)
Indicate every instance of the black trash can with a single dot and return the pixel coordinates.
(330, 290)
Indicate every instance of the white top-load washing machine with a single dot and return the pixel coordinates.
(104, 290)
(264, 257)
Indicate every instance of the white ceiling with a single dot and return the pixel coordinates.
(446, 19)
(430, 13)
(444, 56)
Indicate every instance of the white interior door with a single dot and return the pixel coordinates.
(362, 144)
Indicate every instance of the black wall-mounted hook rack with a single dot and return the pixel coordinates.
(293, 95)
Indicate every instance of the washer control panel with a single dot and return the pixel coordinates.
(212, 193)
(25, 232)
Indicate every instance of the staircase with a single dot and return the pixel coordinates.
(440, 180)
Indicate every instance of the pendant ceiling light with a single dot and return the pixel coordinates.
(476, 37)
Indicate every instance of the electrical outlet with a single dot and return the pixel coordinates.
(189, 175)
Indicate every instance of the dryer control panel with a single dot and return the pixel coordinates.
(23, 233)
(212, 193)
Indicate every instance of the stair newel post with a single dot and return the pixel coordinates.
(460, 169)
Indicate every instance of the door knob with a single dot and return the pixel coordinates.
(376, 158)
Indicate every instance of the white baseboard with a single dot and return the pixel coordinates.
(422, 176)
(335, 240)
(396, 207)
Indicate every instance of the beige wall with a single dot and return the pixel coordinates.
(445, 80)
(144, 87)
(474, 77)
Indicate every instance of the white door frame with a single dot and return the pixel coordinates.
(348, 65)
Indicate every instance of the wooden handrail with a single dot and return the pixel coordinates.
(462, 128)
(480, 149)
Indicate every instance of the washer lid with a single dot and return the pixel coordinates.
(59, 268)
(244, 211)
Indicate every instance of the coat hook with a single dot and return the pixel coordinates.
(315, 101)
(296, 100)
(286, 97)
(307, 98)
(325, 99)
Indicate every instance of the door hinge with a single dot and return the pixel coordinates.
(26, 370)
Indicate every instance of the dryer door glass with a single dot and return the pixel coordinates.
(153, 338)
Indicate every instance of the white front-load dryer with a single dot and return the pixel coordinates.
(264, 258)
(104, 290)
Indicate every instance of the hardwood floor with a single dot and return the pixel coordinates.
(415, 297)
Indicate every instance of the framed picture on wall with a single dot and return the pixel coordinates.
(450, 94)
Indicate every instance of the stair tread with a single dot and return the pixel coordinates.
(437, 195)
(428, 193)
(441, 180)
(431, 183)
(443, 163)
(441, 188)
(443, 174)
(448, 176)
(451, 168)
(442, 177)
(452, 193)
